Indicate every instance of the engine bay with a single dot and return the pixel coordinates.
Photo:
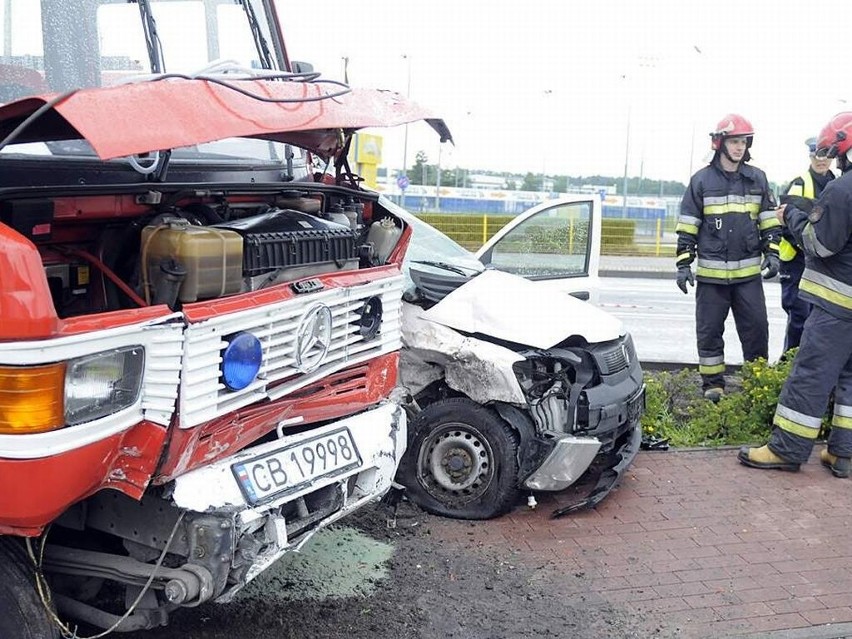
(107, 252)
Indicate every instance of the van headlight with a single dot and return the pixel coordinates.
(101, 384)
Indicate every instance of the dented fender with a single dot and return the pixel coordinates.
(479, 369)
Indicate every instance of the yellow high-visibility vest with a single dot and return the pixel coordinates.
(787, 251)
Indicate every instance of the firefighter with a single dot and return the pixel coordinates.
(802, 191)
(727, 221)
(824, 360)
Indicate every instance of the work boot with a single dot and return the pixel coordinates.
(765, 459)
(839, 466)
(714, 394)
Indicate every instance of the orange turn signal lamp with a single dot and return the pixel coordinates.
(32, 398)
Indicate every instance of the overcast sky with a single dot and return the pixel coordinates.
(551, 86)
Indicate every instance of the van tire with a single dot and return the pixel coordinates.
(462, 461)
(24, 615)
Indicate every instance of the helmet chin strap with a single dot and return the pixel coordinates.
(844, 162)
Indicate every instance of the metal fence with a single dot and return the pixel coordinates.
(619, 236)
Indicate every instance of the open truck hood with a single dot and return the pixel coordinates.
(169, 113)
(514, 309)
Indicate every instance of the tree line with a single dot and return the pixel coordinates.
(422, 172)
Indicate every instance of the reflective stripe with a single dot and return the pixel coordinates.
(722, 209)
(732, 270)
(711, 370)
(686, 228)
(733, 265)
(812, 245)
(842, 422)
(827, 288)
(794, 428)
(843, 410)
(728, 275)
(732, 199)
(774, 247)
(806, 421)
(767, 215)
(712, 365)
(768, 224)
(786, 251)
(721, 205)
(683, 257)
(689, 220)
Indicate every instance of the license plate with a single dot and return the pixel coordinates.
(288, 469)
(636, 406)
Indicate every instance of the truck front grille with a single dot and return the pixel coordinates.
(203, 396)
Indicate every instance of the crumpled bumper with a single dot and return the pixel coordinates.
(271, 524)
(570, 458)
(379, 435)
(616, 463)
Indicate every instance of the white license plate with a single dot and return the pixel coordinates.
(288, 469)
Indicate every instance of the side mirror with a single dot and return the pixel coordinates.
(580, 295)
(301, 67)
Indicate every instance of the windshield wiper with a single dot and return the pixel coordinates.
(443, 265)
(152, 38)
(259, 40)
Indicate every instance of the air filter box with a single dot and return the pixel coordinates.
(284, 244)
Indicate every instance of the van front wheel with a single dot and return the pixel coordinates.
(462, 461)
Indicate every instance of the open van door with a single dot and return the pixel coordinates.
(556, 243)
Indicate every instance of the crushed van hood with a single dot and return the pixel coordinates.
(148, 116)
(514, 309)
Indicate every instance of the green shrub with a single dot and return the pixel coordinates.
(677, 411)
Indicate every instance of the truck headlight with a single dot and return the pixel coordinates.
(101, 384)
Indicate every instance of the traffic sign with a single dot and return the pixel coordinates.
(402, 182)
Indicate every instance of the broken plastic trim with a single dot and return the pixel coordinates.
(609, 477)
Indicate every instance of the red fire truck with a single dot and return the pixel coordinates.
(200, 308)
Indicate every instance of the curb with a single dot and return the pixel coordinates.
(655, 275)
(667, 275)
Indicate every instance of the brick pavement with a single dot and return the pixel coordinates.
(701, 543)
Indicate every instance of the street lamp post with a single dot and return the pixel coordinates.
(407, 58)
(547, 94)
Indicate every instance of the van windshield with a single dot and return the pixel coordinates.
(49, 46)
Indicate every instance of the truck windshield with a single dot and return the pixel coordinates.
(49, 46)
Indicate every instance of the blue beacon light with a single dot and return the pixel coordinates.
(241, 361)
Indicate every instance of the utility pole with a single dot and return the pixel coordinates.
(626, 158)
(438, 180)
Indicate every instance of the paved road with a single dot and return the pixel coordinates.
(662, 319)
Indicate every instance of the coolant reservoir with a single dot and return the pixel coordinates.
(383, 235)
(213, 257)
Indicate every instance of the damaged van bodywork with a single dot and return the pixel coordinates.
(520, 387)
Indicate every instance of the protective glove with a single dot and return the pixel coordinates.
(684, 275)
(771, 265)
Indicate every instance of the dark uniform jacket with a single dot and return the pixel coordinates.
(726, 220)
(825, 235)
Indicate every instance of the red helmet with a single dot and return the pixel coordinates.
(836, 137)
(732, 125)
